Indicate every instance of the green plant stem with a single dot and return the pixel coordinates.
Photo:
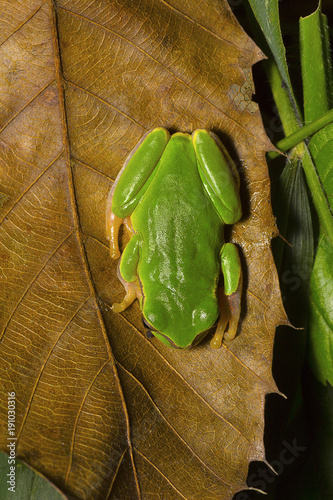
(289, 114)
(293, 139)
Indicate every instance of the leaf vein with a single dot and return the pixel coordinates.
(38, 377)
(71, 453)
(161, 473)
(33, 98)
(23, 23)
(172, 427)
(185, 381)
(160, 64)
(33, 281)
(29, 187)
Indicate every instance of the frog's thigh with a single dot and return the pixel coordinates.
(229, 298)
(217, 177)
(128, 274)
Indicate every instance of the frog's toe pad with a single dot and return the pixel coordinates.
(118, 307)
(230, 334)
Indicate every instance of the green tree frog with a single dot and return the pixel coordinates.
(175, 194)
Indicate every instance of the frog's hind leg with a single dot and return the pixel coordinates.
(230, 308)
(234, 301)
(133, 291)
(230, 297)
(225, 316)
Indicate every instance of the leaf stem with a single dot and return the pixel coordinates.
(293, 139)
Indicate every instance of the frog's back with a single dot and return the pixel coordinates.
(182, 236)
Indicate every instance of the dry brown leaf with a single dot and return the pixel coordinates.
(101, 410)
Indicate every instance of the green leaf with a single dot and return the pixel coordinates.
(321, 284)
(316, 64)
(317, 89)
(25, 484)
(267, 15)
(321, 324)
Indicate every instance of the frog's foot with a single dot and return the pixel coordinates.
(133, 292)
(230, 307)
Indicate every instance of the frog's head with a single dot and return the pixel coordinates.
(179, 328)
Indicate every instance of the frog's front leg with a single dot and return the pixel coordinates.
(132, 182)
(230, 297)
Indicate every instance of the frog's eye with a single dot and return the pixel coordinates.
(149, 333)
(145, 323)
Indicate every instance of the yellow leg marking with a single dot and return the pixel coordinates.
(113, 224)
(132, 292)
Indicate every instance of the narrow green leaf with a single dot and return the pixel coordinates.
(321, 285)
(321, 314)
(317, 90)
(316, 64)
(267, 15)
